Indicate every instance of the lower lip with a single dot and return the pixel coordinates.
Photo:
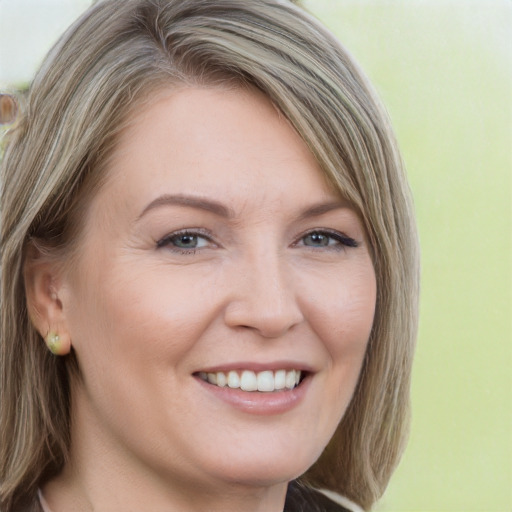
(261, 403)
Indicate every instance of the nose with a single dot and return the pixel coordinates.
(263, 297)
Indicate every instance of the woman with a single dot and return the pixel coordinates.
(209, 268)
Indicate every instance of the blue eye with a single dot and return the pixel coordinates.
(184, 241)
(329, 239)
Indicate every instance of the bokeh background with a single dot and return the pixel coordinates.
(444, 72)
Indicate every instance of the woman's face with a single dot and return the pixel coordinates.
(215, 251)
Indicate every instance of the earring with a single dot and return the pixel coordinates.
(53, 342)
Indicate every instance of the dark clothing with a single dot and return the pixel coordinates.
(304, 499)
(298, 499)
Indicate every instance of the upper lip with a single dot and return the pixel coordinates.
(258, 367)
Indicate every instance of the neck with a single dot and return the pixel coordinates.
(61, 494)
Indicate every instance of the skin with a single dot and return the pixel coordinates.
(144, 316)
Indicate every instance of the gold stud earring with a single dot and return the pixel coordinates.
(53, 342)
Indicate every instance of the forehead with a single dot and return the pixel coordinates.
(214, 141)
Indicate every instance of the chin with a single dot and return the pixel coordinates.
(265, 470)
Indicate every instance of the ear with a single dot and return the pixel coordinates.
(42, 285)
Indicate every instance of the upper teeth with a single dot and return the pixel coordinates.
(248, 380)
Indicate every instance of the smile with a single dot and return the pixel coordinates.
(265, 381)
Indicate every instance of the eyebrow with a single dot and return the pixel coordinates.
(322, 208)
(225, 212)
(189, 201)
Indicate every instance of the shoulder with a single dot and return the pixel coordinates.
(300, 498)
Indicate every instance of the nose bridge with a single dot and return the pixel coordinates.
(264, 298)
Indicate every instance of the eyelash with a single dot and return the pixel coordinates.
(170, 239)
(343, 241)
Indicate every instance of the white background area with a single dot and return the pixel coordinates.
(28, 28)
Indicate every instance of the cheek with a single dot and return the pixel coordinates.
(151, 314)
(132, 338)
(343, 313)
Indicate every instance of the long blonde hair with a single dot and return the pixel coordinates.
(111, 60)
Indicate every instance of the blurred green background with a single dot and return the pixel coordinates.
(444, 72)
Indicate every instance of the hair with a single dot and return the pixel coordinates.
(117, 56)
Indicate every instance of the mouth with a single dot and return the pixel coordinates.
(266, 381)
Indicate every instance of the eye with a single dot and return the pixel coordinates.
(184, 241)
(328, 239)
